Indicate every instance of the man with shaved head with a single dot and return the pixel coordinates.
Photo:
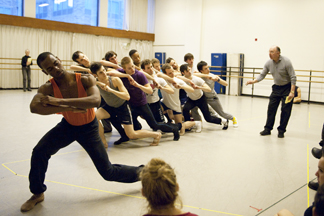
(74, 95)
(283, 90)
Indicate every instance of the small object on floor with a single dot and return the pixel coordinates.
(235, 124)
(313, 185)
(121, 140)
(30, 204)
(265, 132)
(317, 152)
(225, 124)
(281, 135)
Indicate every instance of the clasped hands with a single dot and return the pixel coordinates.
(48, 100)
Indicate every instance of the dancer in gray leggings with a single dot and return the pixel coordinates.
(212, 98)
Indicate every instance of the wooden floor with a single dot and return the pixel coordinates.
(232, 172)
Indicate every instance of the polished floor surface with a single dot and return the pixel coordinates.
(220, 172)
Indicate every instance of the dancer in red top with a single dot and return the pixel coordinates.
(73, 95)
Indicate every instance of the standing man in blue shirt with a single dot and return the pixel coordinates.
(283, 89)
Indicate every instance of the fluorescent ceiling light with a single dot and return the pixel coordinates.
(43, 5)
(58, 1)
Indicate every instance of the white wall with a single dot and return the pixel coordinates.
(177, 25)
(203, 27)
(294, 25)
(206, 26)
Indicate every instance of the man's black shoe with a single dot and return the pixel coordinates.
(179, 126)
(316, 152)
(265, 132)
(121, 140)
(313, 185)
(281, 135)
(176, 135)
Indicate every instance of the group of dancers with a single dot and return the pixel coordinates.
(167, 98)
(122, 93)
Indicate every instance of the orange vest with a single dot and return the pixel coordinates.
(76, 119)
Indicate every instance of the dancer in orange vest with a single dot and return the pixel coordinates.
(73, 95)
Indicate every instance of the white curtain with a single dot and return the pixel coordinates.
(144, 48)
(15, 40)
(138, 15)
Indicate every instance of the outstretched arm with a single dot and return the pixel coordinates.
(116, 73)
(148, 76)
(213, 77)
(167, 89)
(166, 77)
(187, 88)
(138, 68)
(145, 88)
(251, 82)
(122, 93)
(204, 87)
(79, 68)
(216, 78)
(109, 64)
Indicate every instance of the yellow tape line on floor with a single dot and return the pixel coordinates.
(307, 175)
(94, 189)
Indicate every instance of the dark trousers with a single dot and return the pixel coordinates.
(146, 112)
(157, 111)
(279, 93)
(201, 103)
(105, 122)
(87, 135)
(26, 77)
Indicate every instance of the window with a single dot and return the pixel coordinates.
(72, 11)
(116, 13)
(11, 7)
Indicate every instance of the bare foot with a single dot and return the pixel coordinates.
(182, 131)
(156, 140)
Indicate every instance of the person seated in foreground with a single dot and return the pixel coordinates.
(160, 188)
(317, 209)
